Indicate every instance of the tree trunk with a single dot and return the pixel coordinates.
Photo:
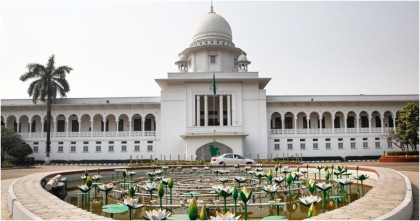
(47, 159)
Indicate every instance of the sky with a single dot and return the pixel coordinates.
(118, 48)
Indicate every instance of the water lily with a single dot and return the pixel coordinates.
(96, 177)
(362, 177)
(203, 213)
(161, 192)
(226, 216)
(193, 210)
(179, 168)
(150, 187)
(259, 175)
(131, 173)
(342, 183)
(247, 168)
(131, 202)
(239, 180)
(311, 211)
(324, 187)
(106, 187)
(224, 171)
(269, 176)
(308, 200)
(245, 195)
(158, 172)
(258, 169)
(223, 191)
(157, 215)
(84, 188)
(206, 168)
(86, 173)
(222, 179)
(271, 189)
(164, 167)
(278, 180)
(89, 181)
(235, 195)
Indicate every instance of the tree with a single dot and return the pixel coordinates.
(49, 82)
(20, 152)
(408, 125)
(9, 140)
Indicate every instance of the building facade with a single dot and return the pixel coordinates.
(212, 101)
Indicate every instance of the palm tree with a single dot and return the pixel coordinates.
(49, 81)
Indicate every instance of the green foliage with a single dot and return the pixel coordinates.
(402, 153)
(408, 125)
(20, 152)
(9, 140)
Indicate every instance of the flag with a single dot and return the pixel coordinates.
(214, 84)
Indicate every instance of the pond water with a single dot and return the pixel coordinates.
(201, 182)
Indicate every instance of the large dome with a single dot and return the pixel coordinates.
(212, 26)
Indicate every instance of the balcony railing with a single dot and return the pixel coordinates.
(330, 130)
(91, 134)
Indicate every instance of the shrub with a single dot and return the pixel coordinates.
(402, 153)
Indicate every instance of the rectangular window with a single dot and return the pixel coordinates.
(337, 122)
(110, 148)
(137, 148)
(60, 142)
(85, 142)
(327, 146)
(340, 146)
(121, 125)
(302, 146)
(377, 138)
(106, 125)
(276, 140)
(352, 139)
(74, 126)
(136, 141)
(365, 138)
(35, 149)
(98, 148)
(327, 139)
(353, 145)
(72, 142)
(124, 142)
(98, 142)
(35, 143)
(150, 141)
(60, 125)
(390, 145)
(60, 149)
(276, 146)
(302, 140)
(340, 139)
(289, 140)
(315, 146)
(290, 146)
(378, 145)
(212, 59)
(85, 148)
(365, 121)
(365, 145)
(314, 140)
(110, 142)
(123, 148)
(72, 148)
(150, 148)
(137, 124)
(288, 123)
(378, 121)
(350, 122)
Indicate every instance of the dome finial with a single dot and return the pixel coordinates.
(211, 6)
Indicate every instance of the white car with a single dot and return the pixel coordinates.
(230, 158)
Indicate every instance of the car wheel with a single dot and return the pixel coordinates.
(221, 163)
(248, 163)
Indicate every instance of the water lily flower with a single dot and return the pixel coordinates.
(269, 176)
(157, 215)
(245, 195)
(206, 168)
(226, 216)
(106, 187)
(83, 177)
(150, 186)
(344, 181)
(239, 179)
(323, 186)
(131, 202)
(89, 181)
(158, 172)
(278, 180)
(203, 213)
(224, 171)
(84, 188)
(96, 177)
(247, 167)
(308, 200)
(258, 169)
(259, 175)
(179, 167)
(223, 190)
(222, 179)
(164, 167)
(130, 173)
(251, 172)
(237, 165)
(289, 179)
(361, 177)
(270, 188)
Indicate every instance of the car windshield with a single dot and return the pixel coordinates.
(228, 156)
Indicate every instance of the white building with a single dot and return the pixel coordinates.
(187, 118)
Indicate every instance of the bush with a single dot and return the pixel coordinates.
(20, 152)
(402, 153)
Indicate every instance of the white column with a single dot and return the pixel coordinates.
(80, 127)
(198, 111)
(143, 122)
(129, 127)
(221, 110)
(66, 124)
(345, 124)
(152, 124)
(42, 127)
(382, 124)
(30, 127)
(333, 126)
(91, 128)
(104, 123)
(393, 120)
(282, 125)
(206, 108)
(307, 125)
(370, 124)
(54, 127)
(229, 123)
(117, 125)
(320, 124)
(357, 124)
(294, 126)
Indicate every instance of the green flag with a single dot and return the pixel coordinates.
(214, 84)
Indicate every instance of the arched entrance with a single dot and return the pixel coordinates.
(212, 149)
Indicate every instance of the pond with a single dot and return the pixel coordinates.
(200, 182)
